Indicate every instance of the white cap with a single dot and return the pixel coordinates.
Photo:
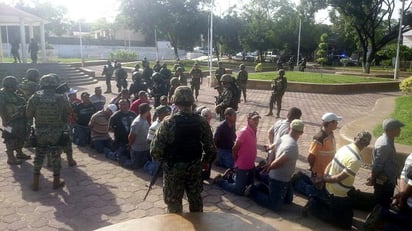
(112, 107)
(71, 91)
(327, 117)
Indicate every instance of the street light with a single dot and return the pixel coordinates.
(396, 73)
(211, 41)
(300, 31)
(81, 43)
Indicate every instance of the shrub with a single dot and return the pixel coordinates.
(259, 67)
(123, 55)
(406, 86)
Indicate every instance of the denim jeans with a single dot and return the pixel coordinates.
(81, 135)
(225, 158)
(304, 186)
(242, 179)
(100, 145)
(279, 193)
(139, 158)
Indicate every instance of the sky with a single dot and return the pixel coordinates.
(91, 10)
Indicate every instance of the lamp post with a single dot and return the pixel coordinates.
(396, 73)
(81, 43)
(299, 35)
(211, 40)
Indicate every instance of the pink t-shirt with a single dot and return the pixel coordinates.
(247, 151)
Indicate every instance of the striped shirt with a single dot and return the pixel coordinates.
(408, 164)
(347, 159)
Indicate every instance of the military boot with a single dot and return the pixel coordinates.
(35, 184)
(57, 183)
(21, 155)
(70, 160)
(11, 159)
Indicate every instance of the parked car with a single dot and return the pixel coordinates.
(244, 56)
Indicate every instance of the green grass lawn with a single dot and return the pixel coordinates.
(313, 77)
(402, 113)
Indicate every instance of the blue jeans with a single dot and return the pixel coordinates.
(225, 158)
(100, 145)
(304, 186)
(242, 179)
(81, 135)
(279, 193)
(137, 159)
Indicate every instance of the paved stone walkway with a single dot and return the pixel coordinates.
(99, 192)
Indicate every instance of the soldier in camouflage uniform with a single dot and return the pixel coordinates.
(242, 78)
(220, 71)
(30, 83)
(196, 75)
(108, 70)
(178, 144)
(49, 111)
(279, 85)
(14, 122)
(224, 100)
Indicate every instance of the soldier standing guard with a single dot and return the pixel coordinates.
(108, 73)
(225, 99)
(49, 110)
(220, 71)
(242, 78)
(196, 75)
(279, 85)
(14, 122)
(178, 145)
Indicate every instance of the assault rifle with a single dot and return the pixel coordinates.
(153, 180)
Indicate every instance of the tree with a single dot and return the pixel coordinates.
(372, 23)
(179, 21)
(55, 14)
(322, 49)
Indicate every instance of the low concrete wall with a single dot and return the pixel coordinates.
(329, 88)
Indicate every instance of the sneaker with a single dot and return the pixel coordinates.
(227, 174)
(246, 193)
(373, 220)
(269, 114)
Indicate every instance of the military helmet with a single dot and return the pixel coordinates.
(219, 63)
(33, 74)
(49, 81)
(183, 96)
(10, 81)
(179, 69)
(174, 81)
(242, 66)
(226, 78)
(281, 71)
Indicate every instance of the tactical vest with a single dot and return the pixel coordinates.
(187, 145)
(49, 109)
(13, 108)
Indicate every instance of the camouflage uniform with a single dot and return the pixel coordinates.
(178, 144)
(224, 100)
(196, 75)
(242, 78)
(220, 71)
(13, 119)
(30, 83)
(279, 85)
(49, 110)
(108, 73)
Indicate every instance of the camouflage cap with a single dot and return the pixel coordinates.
(363, 137)
(10, 81)
(33, 74)
(226, 78)
(49, 81)
(183, 96)
(281, 71)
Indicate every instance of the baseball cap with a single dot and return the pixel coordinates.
(328, 117)
(253, 115)
(230, 111)
(112, 107)
(71, 91)
(390, 124)
(163, 109)
(297, 125)
(143, 108)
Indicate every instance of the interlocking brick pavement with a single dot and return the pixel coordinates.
(99, 192)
